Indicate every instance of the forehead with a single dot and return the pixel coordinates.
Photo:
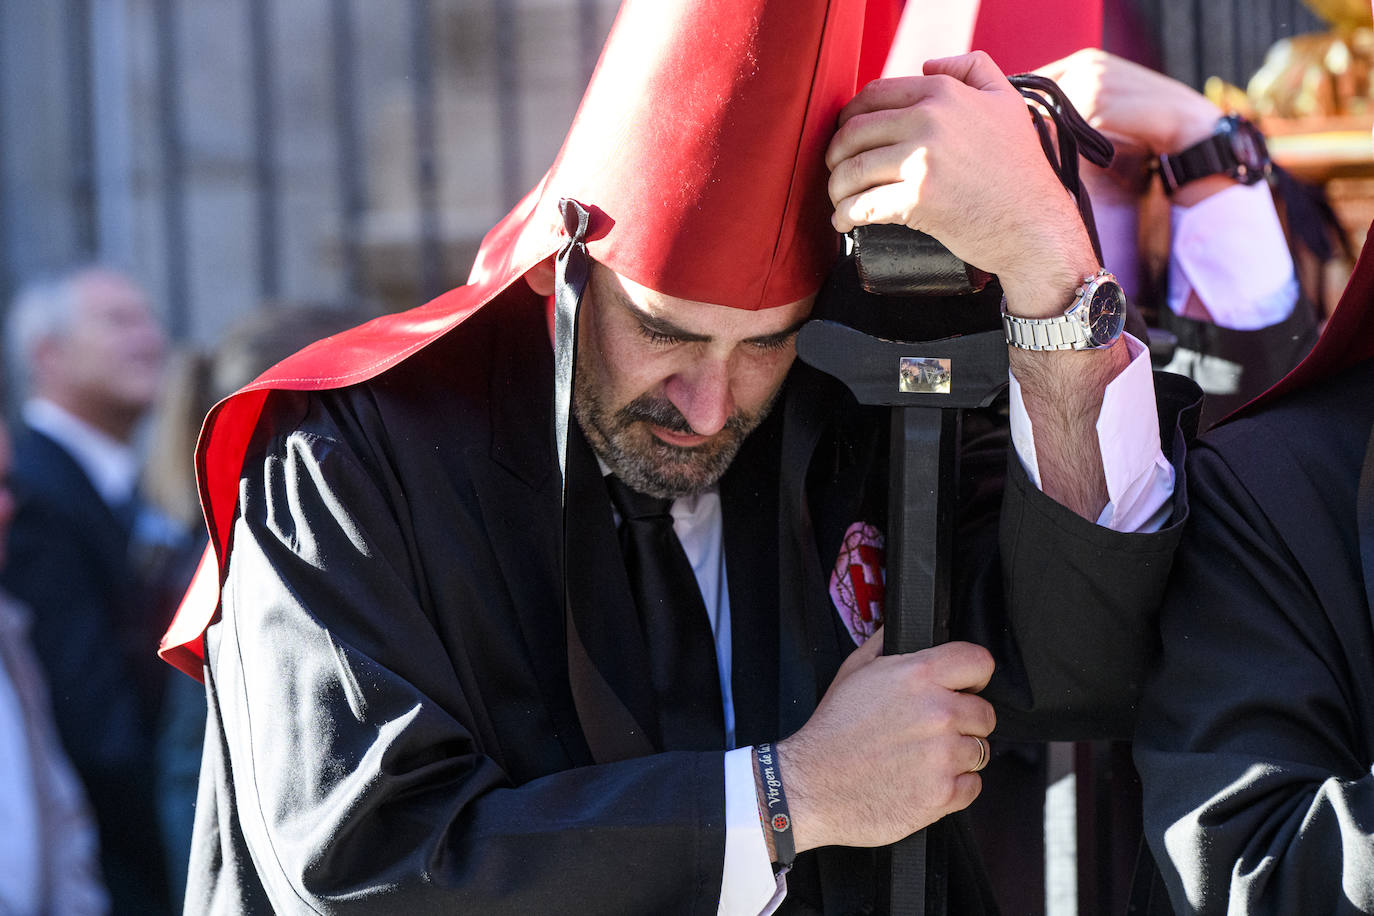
(700, 318)
(101, 292)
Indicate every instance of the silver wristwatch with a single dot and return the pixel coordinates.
(1092, 321)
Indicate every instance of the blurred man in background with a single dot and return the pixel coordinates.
(88, 355)
(49, 860)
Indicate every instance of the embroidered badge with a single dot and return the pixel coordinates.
(781, 822)
(857, 583)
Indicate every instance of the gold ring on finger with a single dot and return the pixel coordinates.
(982, 754)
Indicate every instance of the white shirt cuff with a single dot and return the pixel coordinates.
(1140, 482)
(1230, 249)
(748, 885)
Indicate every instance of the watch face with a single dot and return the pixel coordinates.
(1247, 145)
(1106, 314)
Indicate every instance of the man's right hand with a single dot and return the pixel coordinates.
(891, 747)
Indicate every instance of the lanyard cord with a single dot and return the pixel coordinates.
(1076, 137)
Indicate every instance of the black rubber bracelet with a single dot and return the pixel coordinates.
(779, 819)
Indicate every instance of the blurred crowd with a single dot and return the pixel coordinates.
(98, 499)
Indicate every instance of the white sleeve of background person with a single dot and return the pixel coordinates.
(748, 886)
(1229, 249)
(1140, 481)
(21, 840)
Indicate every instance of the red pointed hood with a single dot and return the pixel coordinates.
(699, 150)
(1019, 36)
(701, 141)
(1347, 339)
(1023, 36)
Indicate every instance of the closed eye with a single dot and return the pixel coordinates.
(773, 341)
(658, 338)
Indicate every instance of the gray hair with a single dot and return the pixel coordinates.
(42, 310)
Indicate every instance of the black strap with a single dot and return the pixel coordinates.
(673, 617)
(611, 730)
(1364, 520)
(1076, 137)
(572, 268)
(779, 819)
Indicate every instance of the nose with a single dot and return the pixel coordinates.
(150, 333)
(702, 395)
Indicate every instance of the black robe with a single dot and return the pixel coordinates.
(1257, 733)
(391, 726)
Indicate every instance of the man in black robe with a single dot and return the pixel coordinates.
(1257, 733)
(424, 696)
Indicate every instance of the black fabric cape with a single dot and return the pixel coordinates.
(1235, 367)
(391, 727)
(1257, 731)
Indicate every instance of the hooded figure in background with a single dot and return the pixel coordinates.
(450, 658)
(1257, 732)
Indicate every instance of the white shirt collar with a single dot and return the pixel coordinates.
(111, 465)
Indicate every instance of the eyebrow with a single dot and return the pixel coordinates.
(782, 335)
(661, 325)
(668, 329)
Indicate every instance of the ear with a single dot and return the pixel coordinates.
(45, 351)
(44, 364)
(540, 277)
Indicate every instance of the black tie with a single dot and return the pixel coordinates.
(677, 630)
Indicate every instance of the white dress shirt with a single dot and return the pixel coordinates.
(20, 838)
(1244, 278)
(111, 465)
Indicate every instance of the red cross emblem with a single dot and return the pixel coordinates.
(857, 584)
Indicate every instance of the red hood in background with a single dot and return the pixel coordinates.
(1019, 36)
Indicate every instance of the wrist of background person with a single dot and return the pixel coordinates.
(1193, 122)
(1194, 192)
(1195, 125)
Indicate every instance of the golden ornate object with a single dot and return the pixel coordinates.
(1318, 75)
(1343, 14)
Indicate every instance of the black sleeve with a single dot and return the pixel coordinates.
(350, 733)
(1256, 796)
(54, 567)
(1233, 366)
(1068, 607)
